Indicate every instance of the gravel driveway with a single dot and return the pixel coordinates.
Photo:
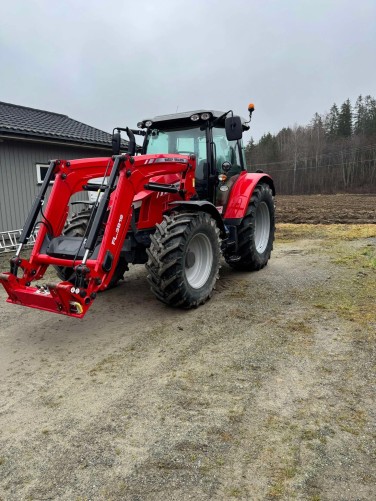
(263, 393)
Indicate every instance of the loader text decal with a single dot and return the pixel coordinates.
(117, 229)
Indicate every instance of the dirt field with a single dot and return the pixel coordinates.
(266, 392)
(327, 209)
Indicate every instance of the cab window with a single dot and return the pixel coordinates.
(226, 151)
(182, 141)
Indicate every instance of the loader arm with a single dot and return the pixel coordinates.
(128, 176)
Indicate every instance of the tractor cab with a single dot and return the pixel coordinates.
(214, 137)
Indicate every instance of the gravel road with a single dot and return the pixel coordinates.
(263, 393)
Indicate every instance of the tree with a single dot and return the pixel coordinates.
(345, 120)
(317, 130)
(360, 116)
(335, 153)
(331, 122)
(370, 115)
(269, 145)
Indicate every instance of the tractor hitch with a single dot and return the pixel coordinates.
(56, 298)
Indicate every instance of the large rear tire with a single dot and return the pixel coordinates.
(256, 232)
(184, 259)
(77, 227)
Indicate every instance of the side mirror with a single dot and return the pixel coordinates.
(116, 140)
(234, 129)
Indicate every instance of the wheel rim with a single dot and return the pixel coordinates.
(198, 261)
(262, 227)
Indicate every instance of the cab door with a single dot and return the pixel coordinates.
(228, 162)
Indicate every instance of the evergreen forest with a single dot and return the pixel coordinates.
(334, 153)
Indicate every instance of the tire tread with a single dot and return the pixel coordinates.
(165, 265)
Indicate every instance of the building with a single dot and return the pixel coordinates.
(29, 138)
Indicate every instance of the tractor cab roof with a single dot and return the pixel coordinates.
(184, 119)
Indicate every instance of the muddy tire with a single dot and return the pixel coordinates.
(76, 227)
(184, 259)
(256, 232)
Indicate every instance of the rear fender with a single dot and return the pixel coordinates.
(201, 205)
(241, 194)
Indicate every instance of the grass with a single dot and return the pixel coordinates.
(353, 297)
(282, 476)
(299, 326)
(235, 492)
(352, 294)
(290, 232)
(364, 257)
(355, 306)
(352, 421)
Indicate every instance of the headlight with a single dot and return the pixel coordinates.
(205, 116)
(195, 117)
(148, 123)
(140, 125)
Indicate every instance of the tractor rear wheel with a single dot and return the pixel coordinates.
(256, 231)
(184, 258)
(76, 227)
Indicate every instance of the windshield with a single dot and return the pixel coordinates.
(183, 142)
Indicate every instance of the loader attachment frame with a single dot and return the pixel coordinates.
(112, 217)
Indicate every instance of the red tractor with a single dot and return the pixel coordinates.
(176, 203)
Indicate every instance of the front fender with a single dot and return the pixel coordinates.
(201, 205)
(241, 193)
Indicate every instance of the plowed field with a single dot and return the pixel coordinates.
(326, 209)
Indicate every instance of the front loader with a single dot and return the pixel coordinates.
(176, 204)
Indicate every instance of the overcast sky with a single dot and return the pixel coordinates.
(114, 62)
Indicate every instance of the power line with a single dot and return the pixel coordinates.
(346, 151)
(315, 167)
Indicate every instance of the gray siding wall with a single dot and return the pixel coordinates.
(18, 175)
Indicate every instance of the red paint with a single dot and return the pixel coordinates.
(241, 193)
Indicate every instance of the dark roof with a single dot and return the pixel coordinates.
(25, 121)
(183, 118)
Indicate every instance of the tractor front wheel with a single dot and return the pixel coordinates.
(256, 232)
(184, 258)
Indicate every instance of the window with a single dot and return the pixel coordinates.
(226, 151)
(41, 172)
(182, 141)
